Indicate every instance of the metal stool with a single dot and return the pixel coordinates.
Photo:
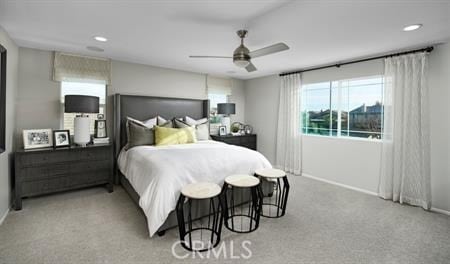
(274, 204)
(241, 203)
(200, 237)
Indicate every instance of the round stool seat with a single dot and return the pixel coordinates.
(201, 190)
(270, 173)
(242, 180)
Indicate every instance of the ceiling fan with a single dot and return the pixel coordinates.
(242, 55)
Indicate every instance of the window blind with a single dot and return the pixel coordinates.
(70, 67)
(216, 85)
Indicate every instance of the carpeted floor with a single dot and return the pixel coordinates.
(324, 224)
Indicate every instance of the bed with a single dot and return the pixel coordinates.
(153, 176)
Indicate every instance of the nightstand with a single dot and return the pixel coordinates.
(248, 141)
(45, 171)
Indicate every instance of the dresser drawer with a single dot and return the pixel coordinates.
(30, 188)
(90, 166)
(89, 178)
(94, 154)
(39, 172)
(39, 158)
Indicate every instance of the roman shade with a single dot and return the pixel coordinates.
(70, 67)
(216, 85)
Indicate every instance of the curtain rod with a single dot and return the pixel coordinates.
(427, 49)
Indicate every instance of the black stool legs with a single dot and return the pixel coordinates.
(200, 238)
(274, 204)
(241, 207)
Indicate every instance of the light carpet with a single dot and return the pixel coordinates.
(323, 224)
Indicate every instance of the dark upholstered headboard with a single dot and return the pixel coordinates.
(145, 107)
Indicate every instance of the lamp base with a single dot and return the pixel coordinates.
(81, 129)
(226, 121)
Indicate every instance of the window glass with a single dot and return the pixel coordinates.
(349, 108)
(215, 99)
(82, 88)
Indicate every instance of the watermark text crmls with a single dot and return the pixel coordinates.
(223, 250)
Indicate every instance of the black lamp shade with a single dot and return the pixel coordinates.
(226, 109)
(81, 104)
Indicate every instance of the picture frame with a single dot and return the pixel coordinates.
(61, 138)
(100, 129)
(222, 131)
(37, 138)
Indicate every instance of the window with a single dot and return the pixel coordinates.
(82, 88)
(214, 99)
(344, 108)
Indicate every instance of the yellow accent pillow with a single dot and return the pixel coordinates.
(172, 136)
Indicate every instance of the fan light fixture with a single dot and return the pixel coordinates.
(242, 56)
(100, 38)
(241, 63)
(412, 27)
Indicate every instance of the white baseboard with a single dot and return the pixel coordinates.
(4, 216)
(339, 184)
(433, 209)
(441, 211)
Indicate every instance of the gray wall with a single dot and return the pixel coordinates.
(11, 91)
(354, 162)
(38, 98)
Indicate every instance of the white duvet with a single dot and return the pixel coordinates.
(159, 173)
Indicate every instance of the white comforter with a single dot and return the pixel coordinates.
(159, 173)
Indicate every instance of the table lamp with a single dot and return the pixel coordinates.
(226, 109)
(83, 105)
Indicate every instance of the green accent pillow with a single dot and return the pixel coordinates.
(172, 136)
(139, 135)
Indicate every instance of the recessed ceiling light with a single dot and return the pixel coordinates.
(100, 38)
(412, 27)
(94, 48)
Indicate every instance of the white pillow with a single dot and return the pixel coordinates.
(161, 120)
(191, 121)
(201, 127)
(148, 123)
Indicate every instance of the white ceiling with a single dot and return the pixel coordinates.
(165, 33)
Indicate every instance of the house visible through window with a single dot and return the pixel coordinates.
(345, 108)
(82, 88)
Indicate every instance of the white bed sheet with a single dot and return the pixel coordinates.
(158, 173)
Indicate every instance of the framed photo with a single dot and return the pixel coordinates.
(61, 138)
(222, 131)
(100, 129)
(37, 138)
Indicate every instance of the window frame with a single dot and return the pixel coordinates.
(62, 115)
(339, 110)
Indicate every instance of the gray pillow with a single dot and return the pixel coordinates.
(139, 135)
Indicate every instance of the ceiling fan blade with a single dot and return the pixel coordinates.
(210, 57)
(250, 67)
(269, 50)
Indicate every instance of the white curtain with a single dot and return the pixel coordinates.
(405, 161)
(289, 139)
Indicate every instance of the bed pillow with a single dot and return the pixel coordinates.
(148, 123)
(139, 135)
(191, 121)
(201, 130)
(172, 136)
(161, 120)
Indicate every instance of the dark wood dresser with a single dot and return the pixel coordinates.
(44, 171)
(248, 141)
